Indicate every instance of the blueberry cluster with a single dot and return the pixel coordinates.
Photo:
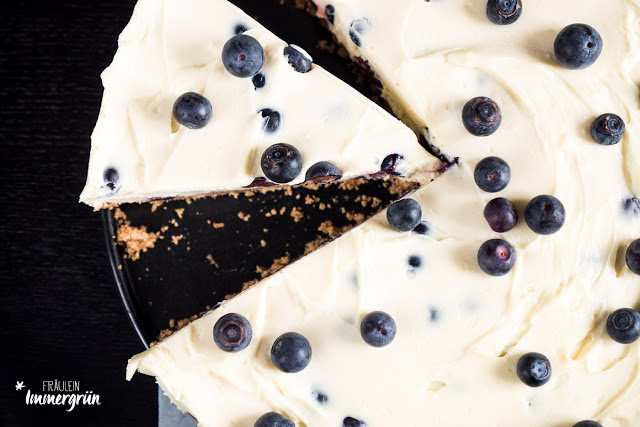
(291, 352)
(244, 57)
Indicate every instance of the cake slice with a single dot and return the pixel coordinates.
(462, 325)
(179, 117)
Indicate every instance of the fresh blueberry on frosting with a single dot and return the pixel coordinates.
(272, 120)
(404, 215)
(577, 46)
(273, 419)
(330, 13)
(631, 206)
(434, 315)
(633, 256)
(504, 12)
(501, 215)
(298, 58)
(323, 170)
(544, 214)
(390, 163)
(587, 423)
(232, 332)
(281, 163)
(534, 369)
(623, 326)
(608, 129)
(192, 110)
(111, 178)
(291, 352)
(353, 422)
(481, 116)
(415, 261)
(242, 56)
(496, 257)
(357, 29)
(239, 29)
(320, 397)
(259, 80)
(492, 174)
(422, 228)
(378, 329)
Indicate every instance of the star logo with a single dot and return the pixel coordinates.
(19, 385)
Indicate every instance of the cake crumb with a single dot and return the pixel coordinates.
(218, 225)
(180, 212)
(296, 214)
(211, 260)
(263, 243)
(328, 228)
(176, 239)
(155, 205)
(134, 239)
(243, 216)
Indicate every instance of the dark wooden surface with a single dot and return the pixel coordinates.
(61, 316)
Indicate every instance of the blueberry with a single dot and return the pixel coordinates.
(607, 129)
(281, 163)
(544, 214)
(534, 369)
(390, 163)
(239, 29)
(623, 326)
(404, 215)
(631, 206)
(587, 423)
(323, 170)
(422, 228)
(434, 315)
(291, 352)
(414, 261)
(353, 422)
(633, 256)
(504, 12)
(358, 28)
(272, 120)
(298, 58)
(232, 332)
(330, 13)
(242, 56)
(492, 174)
(320, 397)
(378, 329)
(273, 419)
(481, 116)
(577, 46)
(192, 110)
(259, 80)
(111, 178)
(496, 257)
(501, 215)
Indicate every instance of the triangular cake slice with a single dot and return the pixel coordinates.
(152, 142)
(519, 331)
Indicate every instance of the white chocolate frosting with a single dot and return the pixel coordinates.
(171, 47)
(460, 332)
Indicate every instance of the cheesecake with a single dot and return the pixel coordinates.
(200, 98)
(504, 293)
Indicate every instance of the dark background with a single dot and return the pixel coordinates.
(61, 316)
